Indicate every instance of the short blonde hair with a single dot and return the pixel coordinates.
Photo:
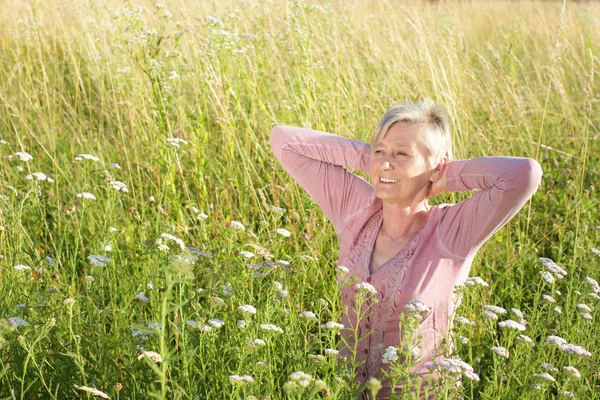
(432, 117)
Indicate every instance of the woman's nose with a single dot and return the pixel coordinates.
(386, 165)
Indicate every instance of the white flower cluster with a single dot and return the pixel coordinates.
(154, 356)
(417, 307)
(25, 157)
(572, 371)
(237, 225)
(119, 186)
(525, 338)
(454, 366)
(217, 323)
(247, 309)
(90, 157)
(162, 246)
(283, 232)
(567, 347)
(86, 195)
(365, 288)
(307, 315)
(465, 321)
(21, 267)
(98, 260)
(301, 380)
(240, 380)
(501, 351)
(544, 375)
(175, 142)
(271, 327)
(16, 322)
(473, 281)
(332, 325)
(390, 355)
(509, 323)
(246, 254)
(342, 269)
(594, 283)
(39, 176)
(551, 266)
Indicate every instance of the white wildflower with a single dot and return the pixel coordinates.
(549, 367)
(150, 286)
(342, 269)
(174, 75)
(119, 186)
(300, 376)
(475, 280)
(511, 324)
(547, 276)
(89, 278)
(555, 340)
(246, 254)
(283, 232)
(465, 321)
(490, 314)
(240, 380)
(193, 324)
(366, 288)
(553, 268)
(586, 315)
(332, 325)
(217, 323)
(595, 251)
(115, 166)
(584, 307)
(463, 340)
(98, 260)
(141, 333)
(283, 294)
(24, 156)
(86, 195)
(69, 302)
(574, 349)
(283, 263)
(307, 315)
(201, 216)
(258, 342)
(495, 309)
(237, 225)
(112, 229)
(316, 357)
(16, 322)
(21, 267)
(39, 176)
(501, 351)
(524, 338)
(175, 142)
(261, 364)
(572, 371)
(416, 306)
(173, 238)
(154, 356)
(545, 375)
(453, 365)
(594, 283)
(390, 355)
(247, 309)
(141, 296)
(93, 391)
(594, 295)
(241, 324)
(332, 352)
(557, 310)
(90, 157)
(271, 327)
(549, 298)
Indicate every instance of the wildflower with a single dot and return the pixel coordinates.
(69, 302)
(283, 232)
(555, 340)
(584, 307)
(175, 142)
(511, 324)
(283, 263)
(594, 283)
(549, 367)
(155, 326)
(90, 157)
(98, 260)
(21, 267)
(342, 269)
(173, 238)
(574, 349)
(549, 298)
(417, 306)
(366, 288)
(141, 333)
(586, 315)
(271, 327)
(390, 355)
(141, 296)
(89, 278)
(119, 186)
(283, 293)
(193, 324)
(501, 351)
(115, 166)
(16, 322)
(201, 216)
(332, 352)
(86, 195)
(495, 309)
(463, 340)
(94, 392)
(174, 75)
(594, 296)
(545, 375)
(246, 254)
(316, 357)
(207, 328)
(595, 251)
(557, 310)
(39, 176)
(332, 325)
(475, 280)
(547, 276)
(258, 342)
(241, 324)
(453, 365)
(490, 314)
(572, 371)
(154, 356)
(553, 268)
(112, 229)
(217, 323)
(261, 364)
(307, 315)
(524, 338)
(237, 225)
(238, 380)
(23, 156)
(247, 309)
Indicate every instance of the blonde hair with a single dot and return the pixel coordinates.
(431, 117)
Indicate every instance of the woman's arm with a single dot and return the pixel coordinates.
(504, 183)
(317, 161)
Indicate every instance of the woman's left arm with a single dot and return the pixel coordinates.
(504, 185)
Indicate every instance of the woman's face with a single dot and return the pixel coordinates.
(399, 168)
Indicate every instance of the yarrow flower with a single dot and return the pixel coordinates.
(258, 342)
(237, 225)
(241, 380)
(525, 338)
(39, 176)
(557, 310)
(584, 307)
(511, 324)
(549, 367)
(25, 157)
(307, 315)
(246, 254)
(93, 391)
(551, 266)
(283, 232)
(490, 314)
(342, 269)
(173, 238)
(549, 298)
(454, 366)
(465, 321)
(86, 195)
(332, 325)
(241, 324)
(557, 340)
(154, 356)
(475, 280)
(594, 283)
(16, 322)
(495, 309)
(175, 142)
(572, 371)
(271, 327)
(416, 306)
(332, 352)
(98, 260)
(547, 276)
(217, 323)
(390, 355)
(119, 186)
(366, 288)
(21, 267)
(574, 349)
(247, 309)
(141, 296)
(90, 157)
(501, 351)
(544, 375)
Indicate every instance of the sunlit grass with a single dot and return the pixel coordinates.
(166, 212)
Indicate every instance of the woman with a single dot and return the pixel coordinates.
(390, 237)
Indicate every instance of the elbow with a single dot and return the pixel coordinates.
(531, 174)
(277, 138)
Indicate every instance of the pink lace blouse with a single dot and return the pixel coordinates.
(437, 256)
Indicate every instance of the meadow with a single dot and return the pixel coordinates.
(151, 246)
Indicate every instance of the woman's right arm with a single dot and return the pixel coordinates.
(318, 161)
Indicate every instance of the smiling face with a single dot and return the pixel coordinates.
(399, 165)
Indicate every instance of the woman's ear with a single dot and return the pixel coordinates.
(439, 171)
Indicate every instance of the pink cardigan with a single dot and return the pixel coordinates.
(436, 258)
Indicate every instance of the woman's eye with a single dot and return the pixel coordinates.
(377, 151)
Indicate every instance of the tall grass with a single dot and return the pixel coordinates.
(123, 81)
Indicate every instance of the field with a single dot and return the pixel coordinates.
(152, 246)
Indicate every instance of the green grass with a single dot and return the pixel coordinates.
(115, 80)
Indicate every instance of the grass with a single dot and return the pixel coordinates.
(116, 80)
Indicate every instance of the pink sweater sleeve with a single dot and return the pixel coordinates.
(317, 161)
(506, 183)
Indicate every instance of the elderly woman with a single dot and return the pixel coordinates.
(389, 235)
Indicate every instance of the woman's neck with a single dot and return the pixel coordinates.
(400, 221)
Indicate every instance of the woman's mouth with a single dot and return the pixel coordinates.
(388, 180)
